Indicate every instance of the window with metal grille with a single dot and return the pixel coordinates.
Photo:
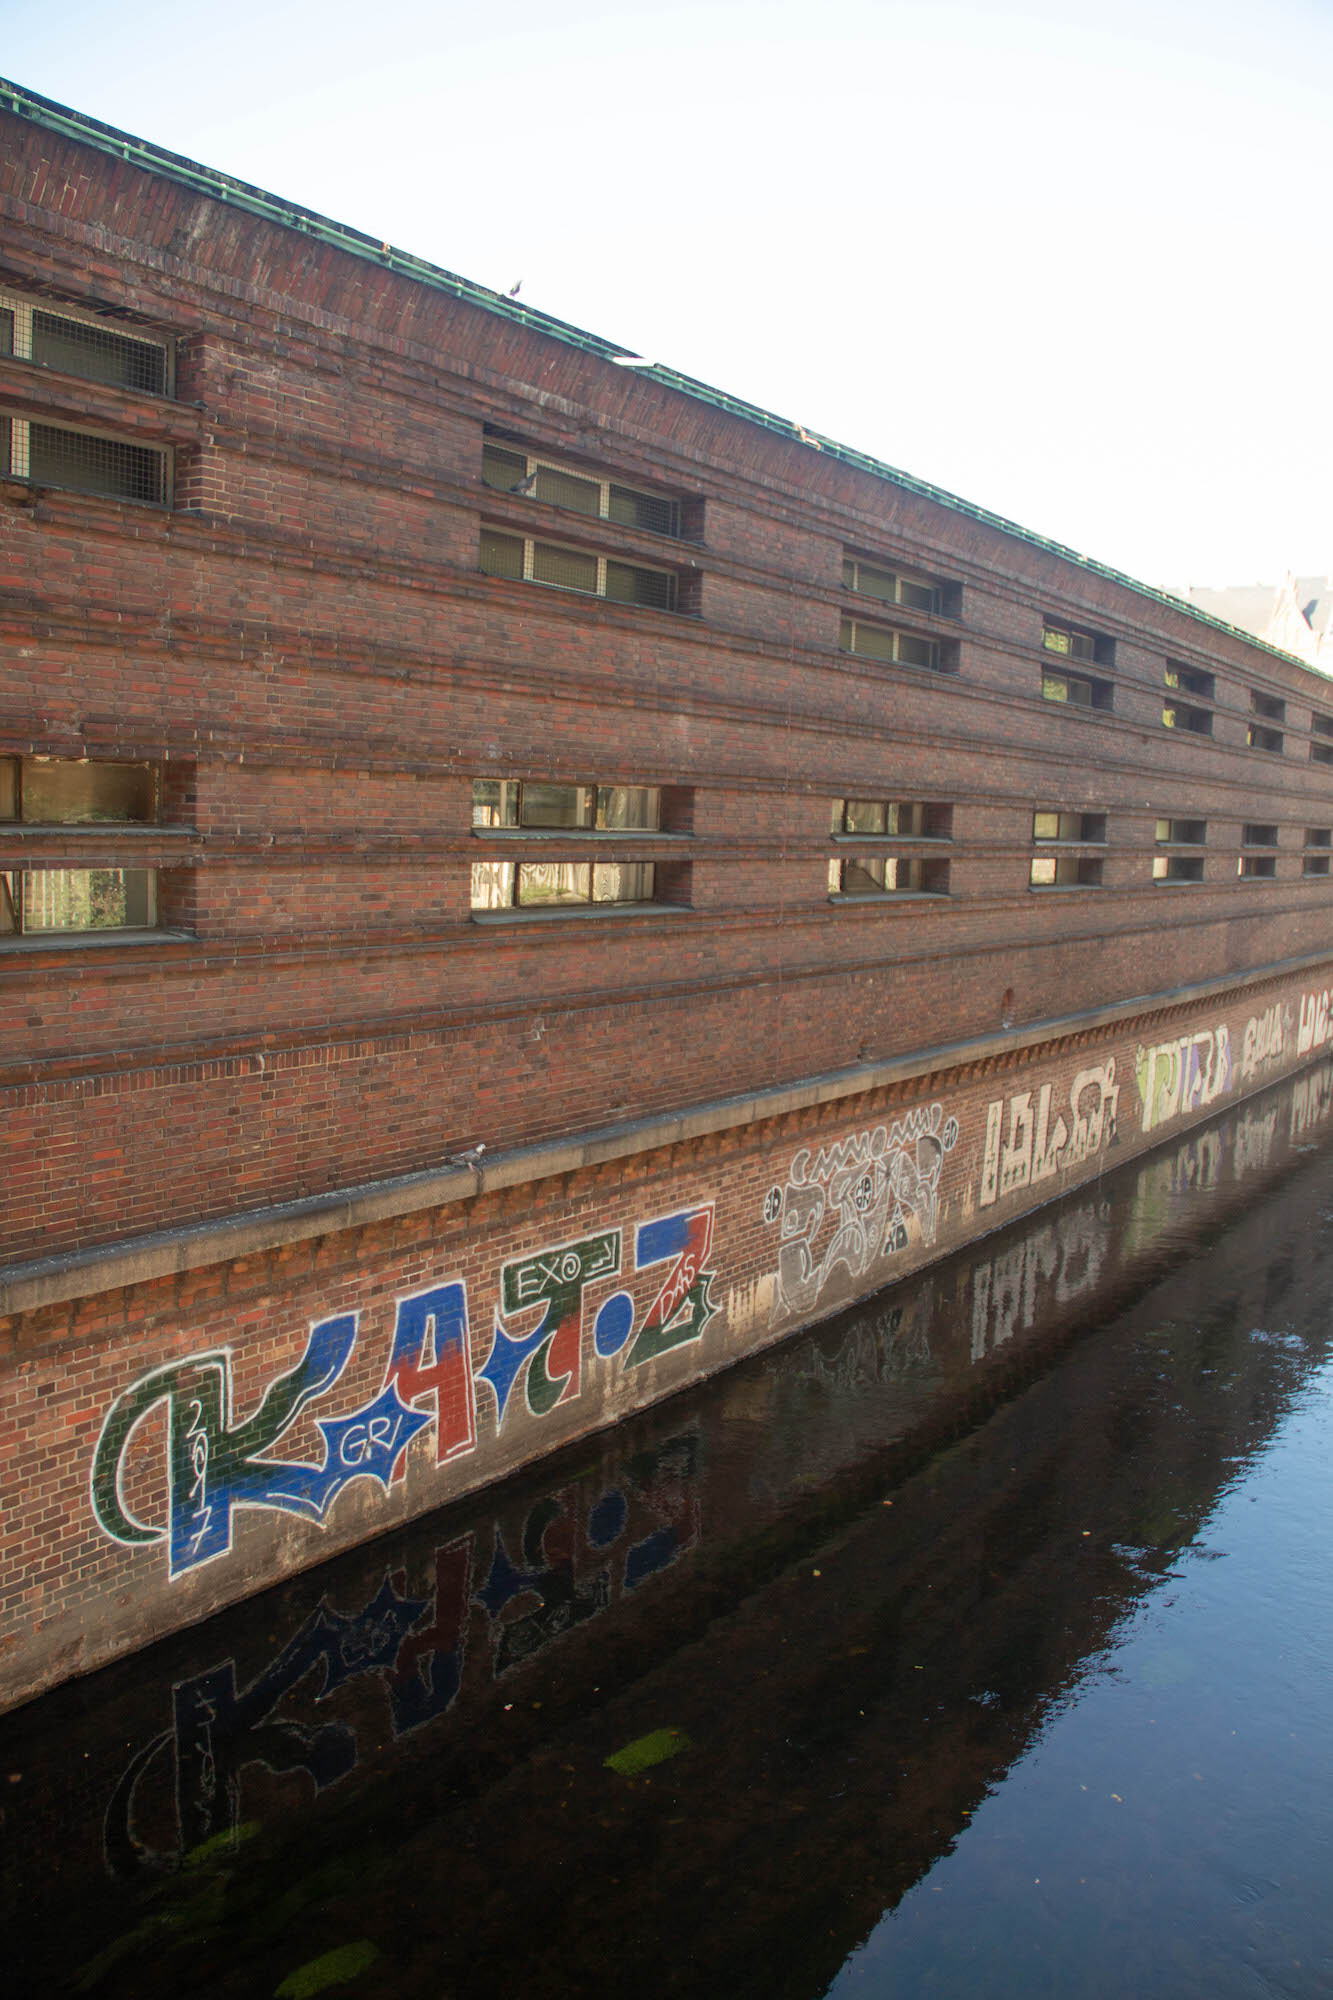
(525, 560)
(888, 875)
(890, 586)
(83, 461)
(892, 819)
(38, 900)
(76, 791)
(1076, 690)
(510, 469)
(883, 642)
(81, 343)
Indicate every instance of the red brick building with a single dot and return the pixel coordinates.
(523, 877)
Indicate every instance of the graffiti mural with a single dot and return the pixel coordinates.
(217, 1462)
(1316, 1022)
(858, 1200)
(1265, 1040)
(1183, 1075)
(1025, 1146)
(492, 1599)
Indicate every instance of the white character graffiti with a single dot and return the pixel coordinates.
(1316, 1023)
(861, 1199)
(1265, 1040)
(1183, 1075)
(1034, 1148)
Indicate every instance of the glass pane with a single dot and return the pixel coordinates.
(66, 792)
(915, 652)
(492, 885)
(93, 464)
(88, 899)
(872, 582)
(622, 882)
(873, 641)
(865, 816)
(503, 469)
(555, 805)
(9, 787)
(643, 510)
(6, 331)
(628, 806)
(562, 489)
(553, 883)
(626, 585)
(1045, 826)
(1056, 642)
(920, 596)
(502, 555)
(567, 569)
(860, 878)
(98, 354)
(903, 820)
(494, 802)
(834, 877)
(9, 918)
(1042, 872)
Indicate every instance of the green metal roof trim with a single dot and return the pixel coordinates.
(222, 187)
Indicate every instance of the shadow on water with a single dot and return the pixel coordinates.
(692, 1708)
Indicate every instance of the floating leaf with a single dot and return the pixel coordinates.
(645, 1751)
(335, 1968)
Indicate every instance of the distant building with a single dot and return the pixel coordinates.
(1293, 614)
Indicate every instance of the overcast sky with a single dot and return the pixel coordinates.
(1070, 260)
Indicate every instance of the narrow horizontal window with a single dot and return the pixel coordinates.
(84, 462)
(1314, 864)
(1259, 737)
(1181, 832)
(75, 791)
(1193, 721)
(533, 802)
(1076, 690)
(1268, 705)
(1258, 833)
(510, 469)
(81, 344)
(1069, 643)
(1065, 871)
(1319, 836)
(893, 819)
(1089, 827)
(1190, 680)
(62, 900)
(882, 642)
(524, 560)
(890, 586)
(1252, 865)
(1321, 753)
(1177, 868)
(888, 875)
(1322, 725)
(558, 885)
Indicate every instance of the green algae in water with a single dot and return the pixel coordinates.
(334, 1968)
(645, 1751)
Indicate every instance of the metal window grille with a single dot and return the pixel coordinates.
(85, 462)
(82, 344)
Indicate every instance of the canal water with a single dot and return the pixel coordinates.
(974, 1643)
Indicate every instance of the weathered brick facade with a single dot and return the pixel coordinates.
(260, 1111)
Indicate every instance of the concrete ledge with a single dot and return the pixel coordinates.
(162, 1253)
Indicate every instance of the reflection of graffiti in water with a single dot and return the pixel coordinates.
(570, 1561)
(861, 1199)
(1057, 1263)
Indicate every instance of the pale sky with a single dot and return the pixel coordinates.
(1070, 261)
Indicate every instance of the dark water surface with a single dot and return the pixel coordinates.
(977, 1642)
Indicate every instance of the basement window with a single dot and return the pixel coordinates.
(882, 642)
(525, 560)
(509, 469)
(81, 343)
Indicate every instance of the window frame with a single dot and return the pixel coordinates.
(530, 544)
(898, 579)
(849, 626)
(928, 877)
(16, 459)
(537, 462)
(22, 306)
